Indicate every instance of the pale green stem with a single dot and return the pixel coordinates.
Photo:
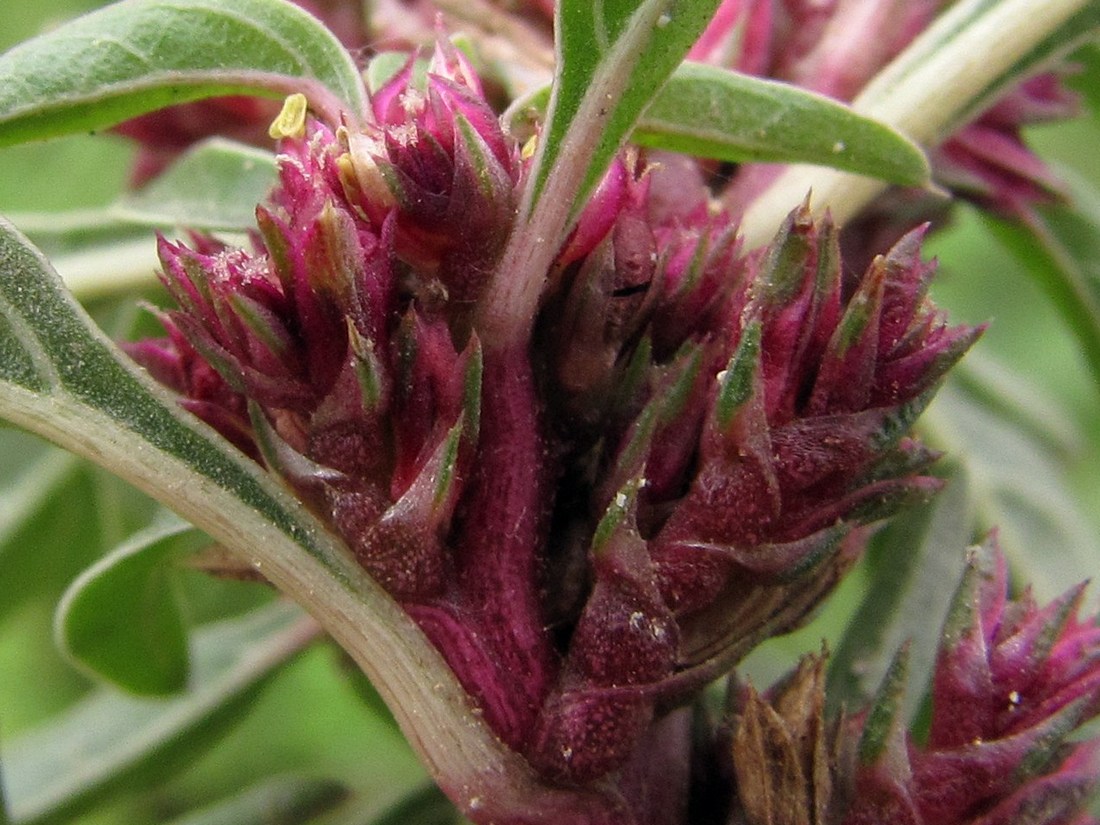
(545, 216)
(922, 98)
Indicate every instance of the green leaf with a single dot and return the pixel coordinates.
(613, 57)
(59, 509)
(25, 494)
(136, 56)
(1059, 248)
(711, 112)
(215, 185)
(910, 559)
(283, 800)
(1018, 486)
(109, 737)
(120, 620)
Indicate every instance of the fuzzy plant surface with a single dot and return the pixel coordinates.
(534, 368)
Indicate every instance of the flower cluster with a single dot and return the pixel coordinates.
(681, 459)
(832, 47)
(741, 448)
(700, 444)
(1011, 682)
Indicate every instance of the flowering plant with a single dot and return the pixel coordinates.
(551, 362)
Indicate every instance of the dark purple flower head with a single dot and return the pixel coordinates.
(804, 420)
(438, 156)
(736, 461)
(593, 522)
(1012, 681)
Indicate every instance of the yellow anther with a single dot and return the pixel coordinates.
(528, 150)
(291, 120)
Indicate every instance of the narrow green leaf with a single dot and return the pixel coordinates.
(215, 185)
(283, 800)
(1018, 486)
(136, 56)
(110, 736)
(613, 57)
(120, 620)
(1060, 249)
(707, 111)
(715, 113)
(911, 558)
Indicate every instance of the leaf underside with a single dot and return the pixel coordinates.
(137, 56)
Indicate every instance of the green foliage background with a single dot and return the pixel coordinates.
(313, 714)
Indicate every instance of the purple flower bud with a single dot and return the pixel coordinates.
(806, 413)
(1012, 681)
(439, 156)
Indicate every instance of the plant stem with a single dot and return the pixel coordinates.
(924, 97)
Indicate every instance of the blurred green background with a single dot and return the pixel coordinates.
(312, 714)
